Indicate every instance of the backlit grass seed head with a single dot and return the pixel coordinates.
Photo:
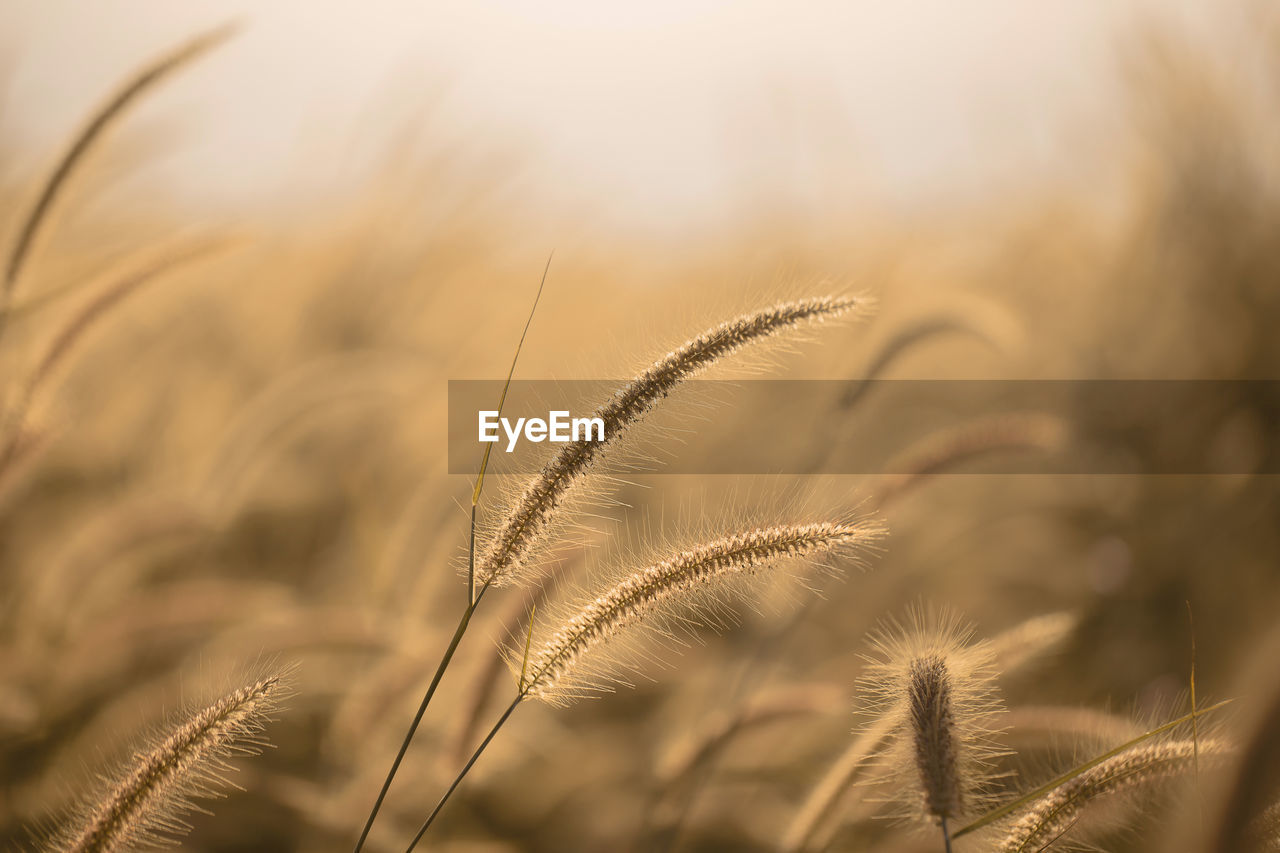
(146, 804)
(1011, 651)
(934, 690)
(1057, 811)
(933, 725)
(575, 658)
(535, 507)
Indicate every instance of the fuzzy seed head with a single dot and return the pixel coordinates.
(675, 585)
(534, 509)
(1054, 813)
(146, 804)
(934, 728)
(932, 688)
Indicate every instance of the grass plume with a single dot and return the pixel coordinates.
(1012, 650)
(555, 670)
(1053, 814)
(1025, 643)
(146, 805)
(935, 738)
(555, 673)
(529, 517)
(936, 688)
(1026, 800)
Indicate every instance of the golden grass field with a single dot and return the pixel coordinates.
(223, 462)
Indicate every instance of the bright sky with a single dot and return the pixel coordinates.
(654, 114)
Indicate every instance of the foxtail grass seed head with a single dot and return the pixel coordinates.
(1057, 811)
(934, 689)
(933, 724)
(146, 805)
(509, 547)
(574, 659)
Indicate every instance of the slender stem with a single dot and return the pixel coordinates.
(473, 600)
(422, 709)
(471, 560)
(484, 460)
(463, 773)
(946, 836)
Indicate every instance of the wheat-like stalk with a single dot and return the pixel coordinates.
(1263, 832)
(907, 338)
(1054, 813)
(145, 806)
(666, 589)
(513, 623)
(528, 519)
(534, 509)
(146, 78)
(553, 672)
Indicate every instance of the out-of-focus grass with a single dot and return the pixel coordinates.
(247, 461)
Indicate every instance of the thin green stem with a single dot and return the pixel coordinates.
(475, 756)
(946, 836)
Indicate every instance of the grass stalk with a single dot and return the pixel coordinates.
(35, 219)
(462, 774)
(473, 597)
(445, 660)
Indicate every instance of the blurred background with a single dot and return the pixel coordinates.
(225, 358)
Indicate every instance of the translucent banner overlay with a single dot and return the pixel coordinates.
(886, 426)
